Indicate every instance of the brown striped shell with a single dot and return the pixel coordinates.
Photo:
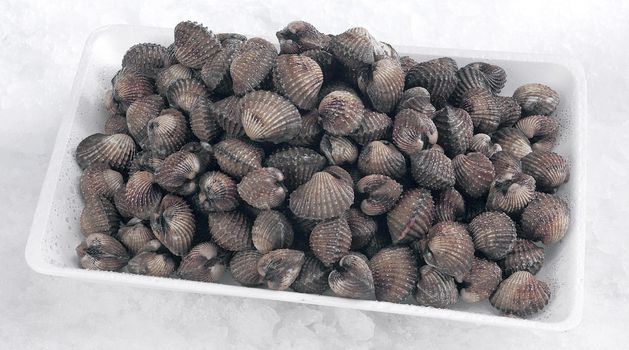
(510, 111)
(549, 169)
(237, 158)
(341, 113)
(325, 60)
(382, 157)
(217, 192)
(432, 169)
(455, 129)
(323, 196)
(300, 36)
(167, 132)
(203, 120)
(355, 48)
(299, 78)
(541, 130)
(469, 78)
(310, 132)
(512, 141)
(215, 71)
(412, 216)
(394, 272)
(505, 163)
(271, 230)
(438, 76)
(152, 263)
(139, 113)
(511, 192)
(146, 58)
(525, 256)
(313, 277)
(173, 223)
(450, 206)
(184, 93)
(115, 150)
(413, 131)
(536, 99)
(99, 216)
(135, 235)
(521, 294)
(194, 44)
(435, 289)
(493, 233)
(546, 219)
(142, 194)
(383, 84)
(228, 116)
(338, 149)
(330, 240)
(100, 251)
(167, 76)
(115, 124)
(178, 172)
(449, 249)
(495, 76)
(298, 164)
(374, 126)
(130, 85)
(363, 228)
(418, 99)
(231, 230)
(280, 268)
(262, 188)
(482, 143)
(481, 281)
(407, 63)
(202, 263)
(482, 108)
(267, 116)
(244, 267)
(382, 193)
(352, 278)
(474, 173)
(99, 180)
(251, 64)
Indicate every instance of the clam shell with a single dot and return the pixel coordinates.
(382, 193)
(511, 192)
(481, 105)
(383, 85)
(338, 150)
(510, 111)
(438, 76)
(215, 71)
(120, 201)
(395, 272)
(418, 99)
(481, 281)
(381, 157)
(549, 169)
(432, 169)
(325, 60)
(541, 130)
(202, 263)
(100, 251)
(251, 64)
(244, 267)
(521, 295)
(469, 78)
(99, 216)
(323, 196)
(300, 36)
(412, 216)
(130, 85)
(299, 78)
(115, 150)
(352, 278)
(546, 219)
(237, 158)
(230, 230)
(135, 235)
(449, 249)
(166, 77)
(116, 124)
(450, 206)
(355, 48)
(203, 120)
(412, 131)
(112, 106)
(363, 228)
(194, 44)
(99, 180)
(174, 225)
(330, 240)
(341, 113)
(512, 141)
(146, 58)
(152, 264)
(184, 93)
(167, 133)
(310, 132)
(142, 195)
(525, 256)
(271, 230)
(455, 129)
(298, 164)
(266, 116)
(495, 76)
(313, 277)
(493, 233)
(228, 111)
(280, 268)
(262, 188)
(435, 289)
(374, 126)
(217, 192)
(140, 113)
(474, 173)
(340, 174)
(536, 99)
(178, 173)
(473, 208)
(482, 143)
(505, 163)
(407, 63)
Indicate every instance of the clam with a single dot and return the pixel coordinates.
(142, 195)
(382, 157)
(266, 116)
(215, 71)
(310, 132)
(203, 120)
(438, 76)
(481, 105)
(521, 294)
(510, 111)
(374, 126)
(549, 169)
(228, 115)
(481, 281)
(194, 44)
(383, 84)
(99, 216)
(280, 268)
(382, 193)
(179, 171)
(323, 196)
(115, 150)
(352, 278)
(231, 230)
(418, 99)
(299, 78)
(271, 230)
(341, 113)
(184, 93)
(152, 261)
(135, 235)
(325, 60)
(541, 130)
(112, 106)
(455, 129)
(450, 206)
(120, 202)
(511, 192)
(202, 263)
(412, 131)
(505, 163)
(435, 289)
(407, 63)
(545, 219)
(395, 272)
(139, 113)
(146, 58)
(244, 267)
(495, 76)
(130, 85)
(100, 251)
(330, 240)
(217, 192)
(298, 164)
(313, 277)
(512, 141)
(493, 233)
(99, 180)
(340, 174)
(115, 124)
(174, 225)
(474, 173)
(262, 188)
(355, 48)
(412, 216)
(432, 169)
(237, 158)
(338, 149)
(482, 143)
(525, 256)
(473, 208)
(536, 99)
(470, 78)
(300, 36)
(362, 227)
(167, 132)
(251, 64)
(449, 249)
(167, 76)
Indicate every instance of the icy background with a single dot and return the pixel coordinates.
(41, 42)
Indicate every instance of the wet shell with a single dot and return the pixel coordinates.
(310, 132)
(511, 192)
(412, 131)
(435, 288)
(202, 264)
(266, 116)
(244, 267)
(203, 120)
(374, 126)
(510, 111)
(394, 272)
(450, 206)
(338, 150)
(116, 124)
(142, 195)
(271, 230)
(495, 76)
(493, 233)
(237, 158)
(99, 216)
(152, 264)
(325, 60)
(313, 277)
(482, 143)
(228, 116)
(173, 224)
(521, 295)
(169, 56)
(262, 188)
(340, 174)
(166, 77)
(418, 99)
(115, 150)
(102, 252)
(470, 79)
(525, 256)
(135, 235)
(140, 113)
(352, 278)
(231, 230)
(323, 196)
(432, 169)
(383, 85)
(411, 218)
(438, 76)
(178, 173)
(184, 93)
(167, 133)
(120, 201)
(482, 108)
(356, 48)
(363, 228)
(98, 180)
(330, 240)
(299, 78)
(300, 36)
(505, 163)
(541, 130)
(481, 281)
(215, 71)
(545, 219)
(298, 164)
(382, 157)
(130, 85)
(382, 194)
(341, 113)
(194, 44)
(455, 128)
(280, 268)
(536, 99)
(512, 141)
(146, 58)
(251, 64)
(407, 63)
(217, 192)
(549, 169)
(449, 249)
(474, 173)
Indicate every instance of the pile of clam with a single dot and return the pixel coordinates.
(333, 165)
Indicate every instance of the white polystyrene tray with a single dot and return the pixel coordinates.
(55, 229)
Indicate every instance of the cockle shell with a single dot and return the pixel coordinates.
(470, 78)
(493, 233)
(99, 216)
(449, 249)
(407, 63)
(174, 225)
(115, 150)
(215, 71)
(511, 192)
(525, 256)
(310, 132)
(382, 191)
(323, 196)
(298, 164)
(139, 113)
(505, 163)
(112, 106)
(495, 76)
(135, 235)
(510, 111)
(203, 120)
(536, 99)
(244, 267)
(481, 105)
(184, 93)
(380, 240)
(237, 158)
(356, 48)
(130, 85)
(383, 84)
(313, 277)
(545, 219)
(142, 195)
(230, 230)
(325, 60)
(374, 126)
(352, 278)
(115, 124)
(167, 76)
(280, 268)
(382, 157)
(512, 141)
(541, 130)
(152, 263)
(412, 216)
(228, 111)
(438, 76)
(340, 174)
(100, 251)
(341, 113)
(363, 227)
(179, 171)
(455, 129)
(271, 230)
(266, 116)
(262, 188)
(474, 173)
(251, 64)
(418, 99)
(146, 58)
(432, 169)
(395, 272)
(120, 201)
(450, 206)
(435, 288)
(300, 36)
(481, 281)
(521, 294)
(549, 169)
(202, 263)
(299, 78)
(99, 180)
(167, 132)
(217, 192)
(194, 44)
(330, 240)
(412, 131)
(338, 150)
(482, 143)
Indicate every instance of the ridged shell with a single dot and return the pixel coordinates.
(382, 157)
(115, 124)
(435, 288)
(474, 173)
(228, 111)
(418, 99)
(115, 150)
(152, 264)
(481, 105)
(411, 218)
(99, 216)
(493, 233)
(323, 196)
(438, 76)
(394, 272)
(338, 150)
(363, 228)
(142, 195)
(120, 201)
(167, 132)
(455, 128)
(174, 225)
(432, 169)
(505, 163)
(202, 263)
(146, 58)
(383, 85)
(271, 230)
(237, 158)
(495, 76)
(298, 164)
(166, 77)
(525, 256)
(481, 281)
(521, 295)
(310, 132)
(355, 48)
(280, 268)
(382, 193)
(135, 235)
(325, 60)
(469, 78)
(541, 130)
(215, 71)
(341, 113)
(230, 230)
(251, 64)
(99, 180)
(413, 131)
(549, 169)
(217, 192)
(510, 111)
(313, 277)
(330, 240)
(374, 126)
(407, 63)
(536, 99)
(102, 252)
(482, 143)
(449, 249)
(266, 116)
(140, 113)
(512, 141)
(184, 93)
(352, 278)
(203, 120)
(382, 239)
(244, 267)
(178, 173)
(299, 36)
(450, 206)
(194, 44)
(511, 192)
(262, 188)
(546, 219)
(130, 85)
(299, 78)
(112, 106)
